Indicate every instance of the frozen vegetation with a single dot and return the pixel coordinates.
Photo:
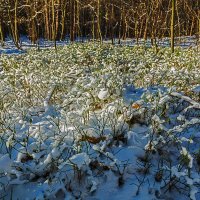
(100, 122)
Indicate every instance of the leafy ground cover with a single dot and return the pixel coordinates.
(97, 121)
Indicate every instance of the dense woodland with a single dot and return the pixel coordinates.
(96, 19)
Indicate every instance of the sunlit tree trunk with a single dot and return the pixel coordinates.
(178, 19)
(13, 24)
(98, 21)
(79, 32)
(32, 21)
(120, 23)
(1, 26)
(53, 24)
(63, 20)
(57, 18)
(46, 21)
(199, 24)
(112, 23)
(72, 20)
(106, 21)
(148, 19)
(1, 34)
(172, 25)
(93, 26)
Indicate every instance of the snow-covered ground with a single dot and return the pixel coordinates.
(100, 122)
(10, 48)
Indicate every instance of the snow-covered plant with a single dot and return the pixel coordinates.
(91, 115)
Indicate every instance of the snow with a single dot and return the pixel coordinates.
(75, 130)
(197, 89)
(186, 154)
(5, 163)
(9, 47)
(80, 159)
(103, 94)
(193, 193)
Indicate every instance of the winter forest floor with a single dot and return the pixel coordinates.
(92, 121)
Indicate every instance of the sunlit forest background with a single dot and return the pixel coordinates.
(96, 19)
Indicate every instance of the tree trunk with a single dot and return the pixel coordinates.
(172, 25)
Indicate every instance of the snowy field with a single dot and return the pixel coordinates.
(100, 122)
(10, 48)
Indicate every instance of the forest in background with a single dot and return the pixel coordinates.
(96, 19)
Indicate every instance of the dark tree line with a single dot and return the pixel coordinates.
(97, 19)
